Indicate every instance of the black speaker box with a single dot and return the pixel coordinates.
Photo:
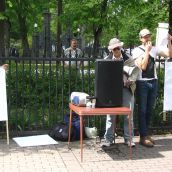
(108, 83)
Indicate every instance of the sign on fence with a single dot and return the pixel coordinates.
(168, 87)
(162, 34)
(3, 96)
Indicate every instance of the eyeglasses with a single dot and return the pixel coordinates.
(117, 48)
(146, 36)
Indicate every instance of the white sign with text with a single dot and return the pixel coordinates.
(3, 96)
(168, 87)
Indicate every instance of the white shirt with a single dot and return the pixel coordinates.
(73, 53)
(139, 53)
(114, 58)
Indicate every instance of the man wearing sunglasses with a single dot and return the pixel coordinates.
(130, 74)
(146, 91)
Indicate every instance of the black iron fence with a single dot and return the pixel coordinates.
(38, 92)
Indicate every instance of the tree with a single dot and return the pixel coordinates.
(22, 9)
(90, 14)
(170, 17)
(2, 28)
(98, 27)
(23, 14)
(101, 19)
(59, 27)
(136, 15)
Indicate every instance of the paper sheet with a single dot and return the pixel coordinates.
(34, 140)
(3, 97)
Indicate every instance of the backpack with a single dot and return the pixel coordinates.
(75, 124)
(60, 131)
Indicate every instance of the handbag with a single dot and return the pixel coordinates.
(60, 132)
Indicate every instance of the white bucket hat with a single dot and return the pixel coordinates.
(144, 32)
(114, 42)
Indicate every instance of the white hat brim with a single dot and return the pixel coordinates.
(111, 47)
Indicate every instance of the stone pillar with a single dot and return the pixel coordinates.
(47, 34)
(35, 44)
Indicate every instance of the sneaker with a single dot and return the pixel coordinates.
(127, 142)
(107, 144)
(150, 139)
(146, 142)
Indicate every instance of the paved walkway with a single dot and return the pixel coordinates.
(57, 158)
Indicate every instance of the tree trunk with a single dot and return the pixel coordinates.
(96, 45)
(97, 30)
(23, 31)
(2, 30)
(170, 17)
(59, 28)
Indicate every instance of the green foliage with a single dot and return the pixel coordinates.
(38, 95)
(27, 85)
(157, 115)
(31, 10)
(2, 17)
(119, 19)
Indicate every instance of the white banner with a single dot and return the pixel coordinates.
(162, 34)
(168, 87)
(3, 96)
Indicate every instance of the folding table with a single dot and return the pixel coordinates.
(87, 111)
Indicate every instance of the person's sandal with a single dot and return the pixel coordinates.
(150, 139)
(145, 142)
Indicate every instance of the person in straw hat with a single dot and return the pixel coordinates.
(131, 71)
(146, 84)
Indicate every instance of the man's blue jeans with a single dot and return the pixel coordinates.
(146, 92)
(128, 101)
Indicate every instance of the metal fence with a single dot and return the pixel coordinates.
(38, 92)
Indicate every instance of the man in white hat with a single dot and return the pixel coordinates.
(146, 92)
(131, 72)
